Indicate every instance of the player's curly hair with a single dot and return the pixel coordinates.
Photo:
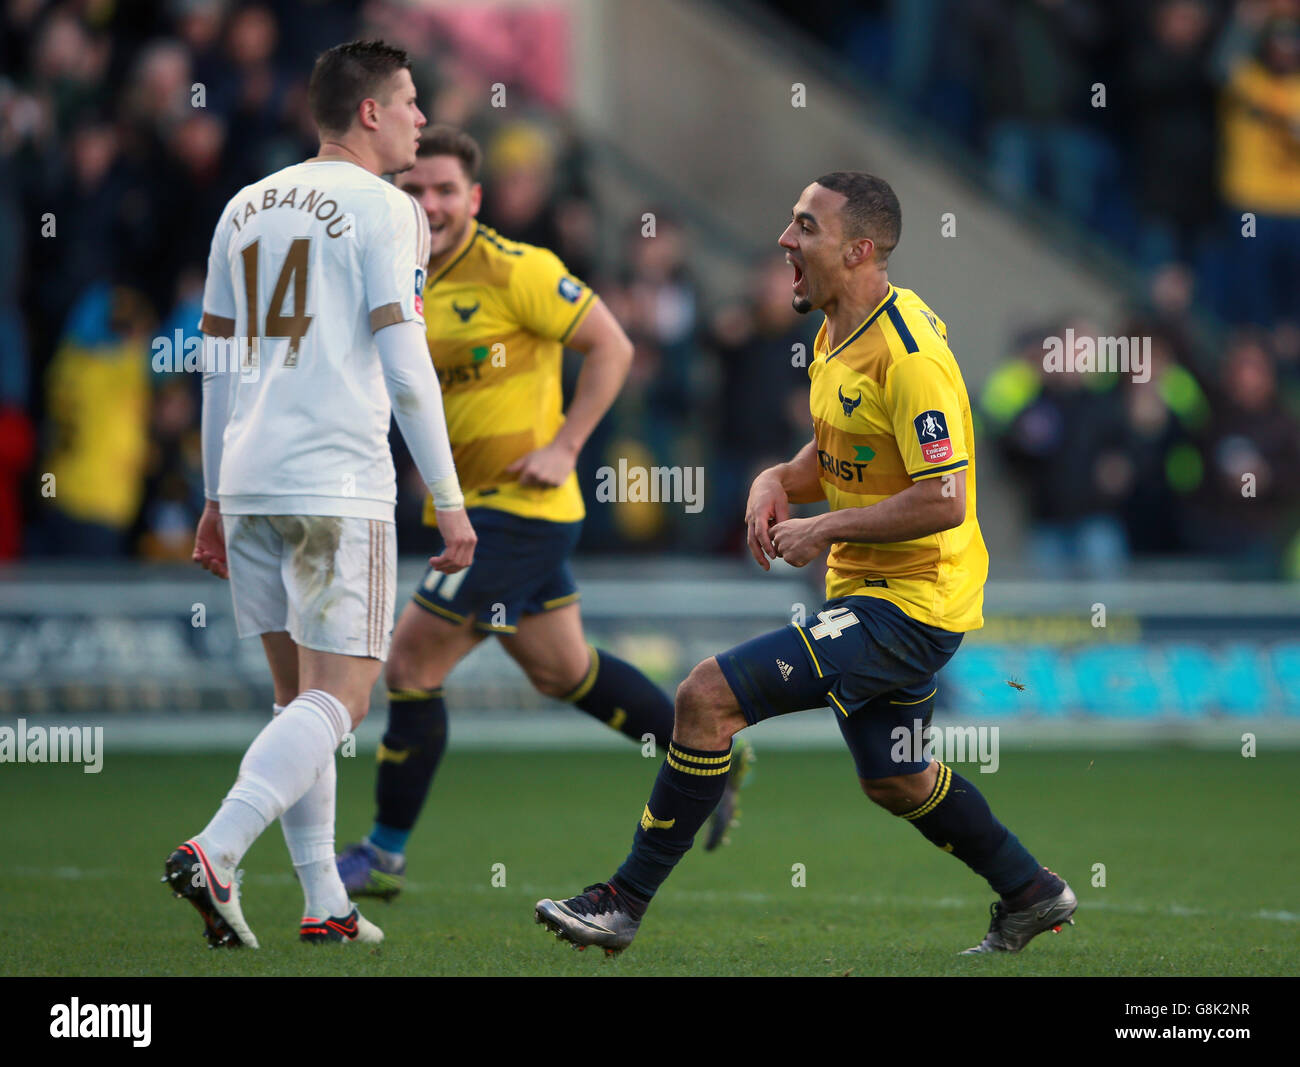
(871, 208)
(347, 74)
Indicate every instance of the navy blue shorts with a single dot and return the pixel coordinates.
(875, 666)
(521, 567)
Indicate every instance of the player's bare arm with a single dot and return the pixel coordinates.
(796, 481)
(929, 506)
(607, 357)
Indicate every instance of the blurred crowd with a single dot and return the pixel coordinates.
(1191, 459)
(1156, 124)
(124, 127)
(1170, 130)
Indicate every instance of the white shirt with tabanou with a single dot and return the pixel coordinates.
(305, 266)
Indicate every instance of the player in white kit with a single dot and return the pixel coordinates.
(315, 279)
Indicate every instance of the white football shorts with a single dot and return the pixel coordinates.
(328, 580)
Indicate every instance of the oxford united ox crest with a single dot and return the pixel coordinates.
(849, 405)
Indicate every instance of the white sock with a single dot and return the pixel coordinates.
(309, 832)
(284, 761)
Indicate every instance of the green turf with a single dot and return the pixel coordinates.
(1201, 852)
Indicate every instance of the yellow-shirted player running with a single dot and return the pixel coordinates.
(499, 315)
(893, 453)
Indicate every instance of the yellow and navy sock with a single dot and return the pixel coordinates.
(409, 756)
(624, 699)
(956, 817)
(688, 788)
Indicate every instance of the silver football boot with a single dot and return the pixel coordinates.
(596, 917)
(1010, 931)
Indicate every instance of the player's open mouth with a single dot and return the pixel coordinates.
(798, 275)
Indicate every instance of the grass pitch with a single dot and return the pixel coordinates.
(1200, 849)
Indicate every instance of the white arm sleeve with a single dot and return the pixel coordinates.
(217, 326)
(417, 406)
(216, 411)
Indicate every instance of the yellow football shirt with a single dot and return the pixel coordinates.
(99, 406)
(498, 315)
(1261, 162)
(889, 408)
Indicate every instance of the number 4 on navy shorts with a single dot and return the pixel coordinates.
(864, 657)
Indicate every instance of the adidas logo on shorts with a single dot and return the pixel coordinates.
(785, 669)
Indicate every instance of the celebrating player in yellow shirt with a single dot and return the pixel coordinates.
(893, 453)
(499, 315)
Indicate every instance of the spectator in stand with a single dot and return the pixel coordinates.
(1249, 504)
(1064, 439)
(68, 66)
(198, 25)
(1038, 56)
(534, 180)
(1178, 350)
(93, 214)
(1170, 310)
(147, 253)
(576, 221)
(173, 476)
(1014, 383)
(1156, 461)
(173, 487)
(261, 95)
(98, 418)
(199, 178)
(158, 96)
(1261, 173)
(518, 185)
(1173, 131)
(459, 100)
(656, 301)
(762, 348)
(663, 310)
